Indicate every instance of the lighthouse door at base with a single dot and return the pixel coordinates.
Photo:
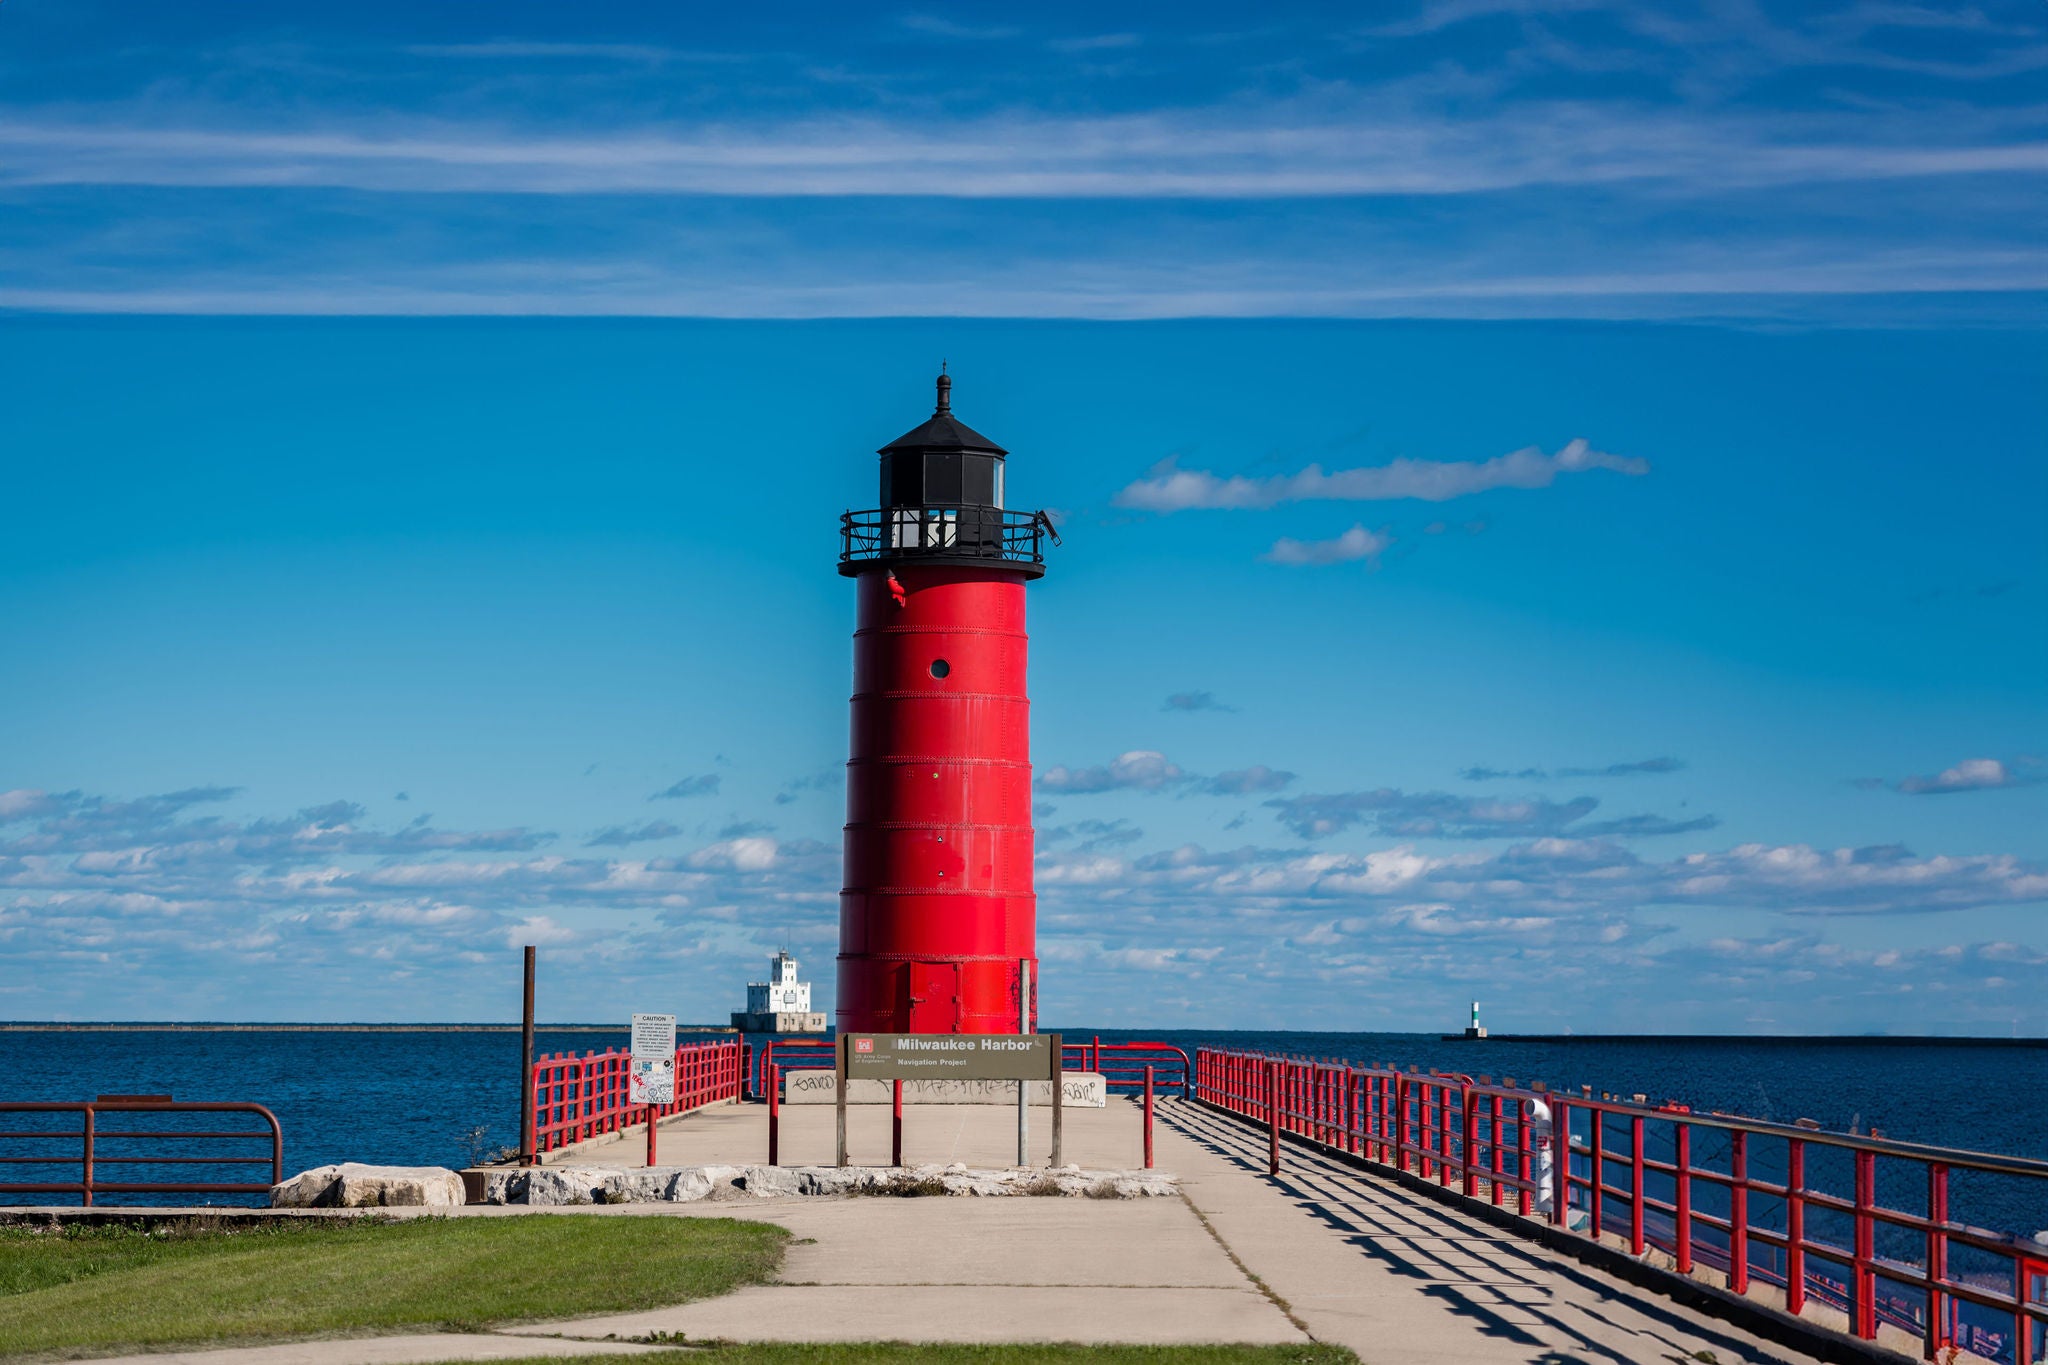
(934, 989)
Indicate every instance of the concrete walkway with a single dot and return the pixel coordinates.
(1397, 1278)
(1322, 1252)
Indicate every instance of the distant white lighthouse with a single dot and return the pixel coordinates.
(1475, 1029)
(781, 1004)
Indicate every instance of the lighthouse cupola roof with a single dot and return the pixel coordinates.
(943, 431)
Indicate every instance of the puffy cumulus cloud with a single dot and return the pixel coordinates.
(703, 784)
(1245, 781)
(1139, 770)
(749, 854)
(1356, 543)
(1168, 488)
(1641, 768)
(322, 914)
(1970, 775)
(1569, 876)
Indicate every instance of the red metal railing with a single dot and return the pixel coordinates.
(1122, 1065)
(1755, 1209)
(100, 1146)
(575, 1098)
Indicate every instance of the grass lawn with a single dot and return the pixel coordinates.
(101, 1289)
(883, 1353)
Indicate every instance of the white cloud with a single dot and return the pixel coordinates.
(1356, 543)
(1139, 769)
(1167, 488)
(751, 854)
(1972, 774)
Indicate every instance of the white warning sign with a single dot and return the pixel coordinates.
(652, 1079)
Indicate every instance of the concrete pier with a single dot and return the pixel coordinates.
(1323, 1252)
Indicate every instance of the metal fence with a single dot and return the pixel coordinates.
(1867, 1226)
(576, 1098)
(119, 1157)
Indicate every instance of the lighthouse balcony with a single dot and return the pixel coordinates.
(970, 535)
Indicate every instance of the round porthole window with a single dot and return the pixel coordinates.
(940, 668)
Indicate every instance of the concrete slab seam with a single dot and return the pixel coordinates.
(1286, 1309)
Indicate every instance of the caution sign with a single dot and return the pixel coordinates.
(652, 1079)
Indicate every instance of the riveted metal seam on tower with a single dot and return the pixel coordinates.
(937, 910)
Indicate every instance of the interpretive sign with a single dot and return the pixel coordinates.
(952, 1056)
(652, 1079)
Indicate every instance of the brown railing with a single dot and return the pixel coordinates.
(1632, 1174)
(95, 1146)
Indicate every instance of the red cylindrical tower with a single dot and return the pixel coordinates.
(937, 912)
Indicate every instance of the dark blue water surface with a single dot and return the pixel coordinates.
(446, 1098)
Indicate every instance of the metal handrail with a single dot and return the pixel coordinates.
(575, 1098)
(1452, 1128)
(90, 1135)
(944, 533)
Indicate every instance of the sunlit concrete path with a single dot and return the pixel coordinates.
(1395, 1277)
(1323, 1252)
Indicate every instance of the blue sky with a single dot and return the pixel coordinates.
(1552, 495)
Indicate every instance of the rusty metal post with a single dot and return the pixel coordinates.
(86, 1165)
(1937, 1258)
(1683, 1233)
(527, 1098)
(1738, 1212)
(1795, 1226)
(1148, 1118)
(652, 1114)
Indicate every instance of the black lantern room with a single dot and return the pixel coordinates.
(942, 503)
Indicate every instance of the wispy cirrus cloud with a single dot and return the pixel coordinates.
(1646, 767)
(1194, 701)
(701, 784)
(1395, 813)
(619, 836)
(1168, 488)
(1148, 770)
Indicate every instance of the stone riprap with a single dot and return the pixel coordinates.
(558, 1185)
(1082, 1090)
(352, 1185)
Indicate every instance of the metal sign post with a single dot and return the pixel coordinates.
(527, 1099)
(1059, 1108)
(1024, 1087)
(899, 1057)
(839, 1093)
(652, 1078)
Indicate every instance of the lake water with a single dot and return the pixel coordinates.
(445, 1098)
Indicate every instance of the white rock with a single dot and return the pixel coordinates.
(352, 1185)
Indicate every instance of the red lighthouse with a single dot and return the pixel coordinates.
(937, 915)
